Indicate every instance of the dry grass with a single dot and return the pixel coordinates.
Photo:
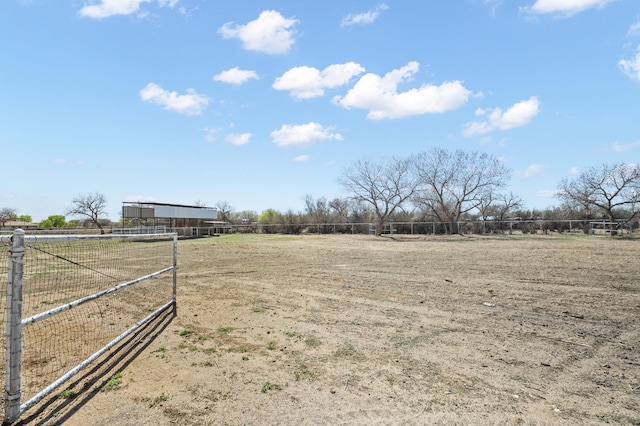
(416, 330)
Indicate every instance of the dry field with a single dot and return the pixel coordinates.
(297, 330)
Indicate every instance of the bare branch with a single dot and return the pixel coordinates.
(606, 188)
(91, 206)
(383, 185)
(224, 210)
(454, 183)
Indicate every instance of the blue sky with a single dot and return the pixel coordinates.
(258, 102)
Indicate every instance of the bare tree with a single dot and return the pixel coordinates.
(340, 209)
(486, 205)
(383, 185)
(454, 183)
(606, 188)
(318, 210)
(7, 214)
(359, 211)
(498, 206)
(224, 210)
(91, 206)
(506, 204)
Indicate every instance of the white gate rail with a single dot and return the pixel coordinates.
(13, 407)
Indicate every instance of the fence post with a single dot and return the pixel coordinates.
(175, 275)
(13, 341)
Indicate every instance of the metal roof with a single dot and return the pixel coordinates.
(167, 211)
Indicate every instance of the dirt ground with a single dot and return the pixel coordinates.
(301, 330)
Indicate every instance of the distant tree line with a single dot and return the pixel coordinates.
(324, 218)
(438, 186)
(450, 187)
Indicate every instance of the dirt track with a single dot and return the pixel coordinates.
(364, 330)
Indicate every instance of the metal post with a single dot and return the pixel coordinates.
(175, 274)
(14, 327)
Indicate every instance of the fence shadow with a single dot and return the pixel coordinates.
(56, 411)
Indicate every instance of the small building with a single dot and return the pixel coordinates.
(12, 225)
(191, 221)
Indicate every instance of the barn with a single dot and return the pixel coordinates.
(188, 221)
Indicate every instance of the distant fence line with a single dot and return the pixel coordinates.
(530, 226)
(435, 228)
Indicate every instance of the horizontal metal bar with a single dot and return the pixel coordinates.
(36, 238)
(49, 389)
(67, 306)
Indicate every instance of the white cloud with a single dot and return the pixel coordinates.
(239, 138)
(574, 170)
(308, 82)
(170, 3)
(235, 76)
(380, 95)
(364, 18)
(211, 135)
(631, 67)
(302, 135)
(190, 104)
(564, 7)
(634, 30)
(493, 5)
(518, 115)
(302, 158)
(106, 8)
(271, 33)
(532, 171)
(620, 147)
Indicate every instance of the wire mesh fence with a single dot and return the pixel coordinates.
(4, 260)
(529, 226)
(78, 295)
